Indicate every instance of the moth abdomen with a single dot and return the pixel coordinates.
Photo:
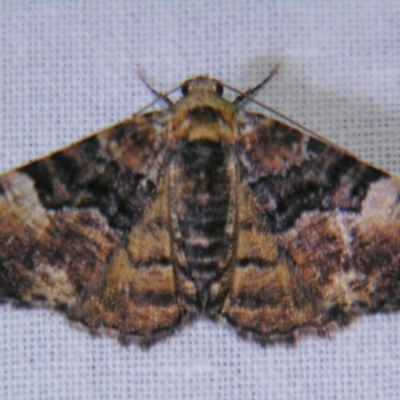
(202, 190)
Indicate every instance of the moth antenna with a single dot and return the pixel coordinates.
(248, 93)
(245, 96)
(160, 96)
(156, 100)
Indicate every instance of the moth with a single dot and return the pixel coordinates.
(202, 208)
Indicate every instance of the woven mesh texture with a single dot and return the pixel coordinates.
(69, 68)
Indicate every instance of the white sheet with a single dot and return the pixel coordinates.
(69, 68)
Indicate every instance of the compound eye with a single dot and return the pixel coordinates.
(219, 88)
(185, 89)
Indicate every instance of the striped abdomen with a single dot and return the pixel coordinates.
(202, 205)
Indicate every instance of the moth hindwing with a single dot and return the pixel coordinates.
(202, 208)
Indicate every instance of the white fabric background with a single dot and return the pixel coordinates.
(69, 68)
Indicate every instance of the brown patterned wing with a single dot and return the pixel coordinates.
(318, 235)
(85, 230)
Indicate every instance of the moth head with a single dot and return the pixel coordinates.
(202, 83)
